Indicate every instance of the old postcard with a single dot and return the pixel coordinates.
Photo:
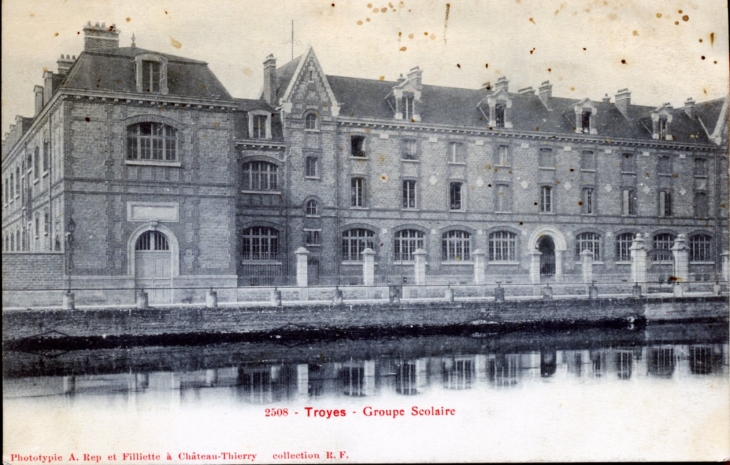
(364, 231)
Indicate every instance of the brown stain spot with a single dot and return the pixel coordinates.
(165, 11)
(521, 223)
(580, 202)
(533, 21)
(367, 19)
(55, 35)
(382, 78)
(45, 69)
(403, 49)
(459, 66)
(535, 203)
(572, 89)
(533, 50)
(537, 128)
(410, 36)
(550, 70)
(87, 119)
(712, 39)
(383, 177)
(571, 170)
(635, 32)
(703, 57)
(370, 5)
(676, 23)
(679, 11)
(432, 36)
(584, 49)
(675, 279)
(700, 40)
(359, 22)
(675, 175)
(175, 43)
(333, 5)
(557, 182)
(248, 71)
(128, 19)
(685, 18)
(715, 62)
(375, 10)
(623, 62)
(383, 10)
(704, 91)
(658, 15)
(486, 65)
(722, 205)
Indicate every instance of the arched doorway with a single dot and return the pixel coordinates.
(546, 247)
(153, 266)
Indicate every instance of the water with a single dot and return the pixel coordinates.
(657, 393)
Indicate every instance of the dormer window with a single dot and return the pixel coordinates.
(585, 114)
(151, 73)
(661, 118)
(259, 125)
(586, 122)
(662, 128)
(151, 76)
(409, 107)
(499, 114)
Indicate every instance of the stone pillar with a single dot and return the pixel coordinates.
(547, 292)
(592, 291)
(499, 294)
(337, 298)
(211, 299)
(725, 266)
(276, 298)
(142, 299)
(535, 266)
(638, 262)
(368, 267)
(302, 277)
(586, 259)
(559, 266)
(420, 267)
(69, 301)
(478, 256)
(681, 259)
(449, 294)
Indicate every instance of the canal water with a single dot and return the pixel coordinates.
(659, 393)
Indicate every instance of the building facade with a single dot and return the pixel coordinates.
(169, 182)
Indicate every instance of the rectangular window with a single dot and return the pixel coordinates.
(36, 163)
(455, 200)
(665, 203)
(586, 122)
(662, 128)
(357, 146)
(456, 153)
(546, 199)
(409, 150)
(357, 192)
(503, 198)
(37, 226)
(313, 237)
(259, 126)
(664, 165)
(545, 158)
(700, 167)
(501, 156)
(588, 201)
(701, 205)
(409, 194)
(628, 163)
(499, 115)
(310, 168)
(46, 156)
(627, 202)
(409, 104)
(151, 76)
(587, 161)
(46, 223)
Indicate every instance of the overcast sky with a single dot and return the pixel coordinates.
(672, 49)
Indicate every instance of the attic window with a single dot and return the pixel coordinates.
(499, 114)
(151, 73)
(259, 125)
(586, 122)
(151, 76)
(408, 107)
(662, 125)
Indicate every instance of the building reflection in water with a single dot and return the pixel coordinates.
(503, 370)
(661, 361)
(458, 372)
(548, 362)
(705, 359)
(357, 378)
(624, 363)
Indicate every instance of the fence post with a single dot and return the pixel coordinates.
(638, 262)
(143, 300)
(478, 255)
(368, 267)
(211, 299)
(586, 258)
(726, 265)
(535, 266)
(547, 292)
(302, 276)
(276, 298)
(337, 298)
(449, 294)
(681, 261)
(592, 290)
(420, 267)
(499, 293)
(69, 301)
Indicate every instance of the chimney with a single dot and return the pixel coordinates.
(47, 86)
(64, 64)
(270, 87)
(38, 91)
(546, 93)
(502, 83)
(100, 38)
(527, 90)
(415, 75)
(606, 99)
(689, 108)
(623, 102)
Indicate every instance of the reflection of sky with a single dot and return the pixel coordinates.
(506, 404)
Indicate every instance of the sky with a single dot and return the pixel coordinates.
(662, 50)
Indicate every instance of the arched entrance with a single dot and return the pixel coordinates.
(546, 247)
(153, 266)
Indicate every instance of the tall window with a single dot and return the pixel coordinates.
(545, 158)
(152, 240)
(405, 243)
(499, 114)
(662, 126)
(310, 122)
(502, 156)
(151, 141)
(502, 246)
(628, 202)
(455, 246)
(503, 198)
(546, 199)
(665, 203)
(260, 243)
(46, 222)
(313, 237)
(623, 246)
(409, 194)
(588, 241)
(259, 126)
(455, 198)
(357, 146)
(409, 150)
(17, 181)
(151, 76)
(587, 161)
(588, 201)
(354, 241)
(664, 165)
(46, 156)
(662, 244)
(260, 176)
(585, 122)
(36, 162)
(456, 153)
(357, 192)
(701, 206)
(409, 107)
(628, 163)
(700, 167)
(700, 248)
(310, 167)
(37, 225)
(312, 208)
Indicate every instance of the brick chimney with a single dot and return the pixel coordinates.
(270, 80)
(623, 102)
(606, 99)
(38, 91)
(64, 64)
(689, 108)
(546, 93)
(526, 90)
(415, 75)
(100, 38)
(502, 83)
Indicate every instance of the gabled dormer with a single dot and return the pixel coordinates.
(150, 72)
(661, 118)
(405, 99)
(585, 116)
(497, 104)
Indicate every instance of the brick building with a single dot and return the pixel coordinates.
(173, 183)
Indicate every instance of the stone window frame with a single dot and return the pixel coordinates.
(315, 234)
(692, 244)
(314, 159)
(509, 203)
(632, 162)
(180, 128)
(359, 141)
(594, 162)
(417, 236)
(586, 208)
(139, 71)
(631, 206)
(272, 254)
(407, 194)
(450, 237)
(358, 194)
(542, 204)
(664, 203)
(513, 245)
(622, 246)
(462, 195)
(669, 167)
(659, 254)
(361, 238)
(311, 118)
(661, 120)
(546, 150)
(700, 173)
(404, 153)
(584, 238)
(696, 207)
(252, 117)
(269, 162)
(582, 109)
(308, 212)
(497, 159)
(456, 152)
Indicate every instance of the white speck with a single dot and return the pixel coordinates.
(608, 188)
(682, 191)
(433, 180)
(567, 186)
(646, 189)
(524, 184)
(480, 182)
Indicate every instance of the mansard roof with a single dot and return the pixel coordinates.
(113, 71)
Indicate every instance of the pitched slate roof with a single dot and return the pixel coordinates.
(366, 98)
(284, 75)
(113, 71)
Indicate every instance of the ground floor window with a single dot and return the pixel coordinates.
(588, 241)
(405, 243)
(623, 247)
(260, 243)
(502, 245)
(700, 248)
(455, 246)
(354, 241)
(662, 244)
